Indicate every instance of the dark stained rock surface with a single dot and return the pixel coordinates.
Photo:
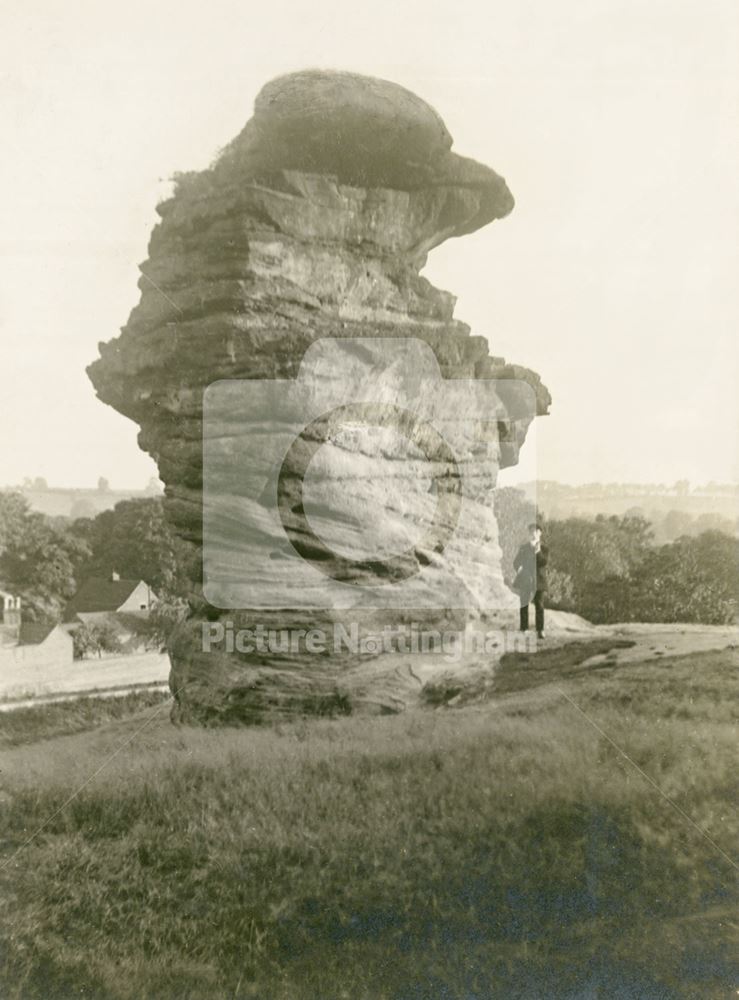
(365, 132)
(313, 223)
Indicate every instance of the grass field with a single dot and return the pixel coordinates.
(502, 848)
(40, 722)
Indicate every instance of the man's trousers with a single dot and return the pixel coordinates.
(538, 603)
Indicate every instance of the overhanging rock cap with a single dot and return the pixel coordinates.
(366, 132)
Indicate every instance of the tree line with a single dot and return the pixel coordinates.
(606, 568)
(609, 568)
(44, 559)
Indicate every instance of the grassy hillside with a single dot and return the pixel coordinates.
(40, 722)
(502, 849)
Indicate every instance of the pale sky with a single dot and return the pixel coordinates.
(613, 121)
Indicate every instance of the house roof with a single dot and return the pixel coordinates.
(34, 633)
(100, 594)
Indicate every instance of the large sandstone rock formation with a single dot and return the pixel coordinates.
(314, 223)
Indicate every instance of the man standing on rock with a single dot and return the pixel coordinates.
(531, 582)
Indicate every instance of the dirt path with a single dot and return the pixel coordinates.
(18, 682)
(652, 641)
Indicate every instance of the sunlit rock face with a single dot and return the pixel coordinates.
(310, 229)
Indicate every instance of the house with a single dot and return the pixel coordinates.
(10, 608)
(39, 653)
(10, 617)
(106, 595)
(122, 606)
(51, 641)
(31, 642)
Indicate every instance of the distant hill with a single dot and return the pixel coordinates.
(555, 500)
(74, 503)
(672, 511)
(561, 500)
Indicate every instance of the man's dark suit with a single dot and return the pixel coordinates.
(531, 582)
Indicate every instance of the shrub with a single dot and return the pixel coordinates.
(607, 570)
(88, 639)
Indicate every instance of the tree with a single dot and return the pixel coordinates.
(560, 590)
(13, 513)
(691, 580)
(164, 617)
(40, 564)
(674, 524)
(616, 574)
(103, 484)
(82, 508)
(107, 638)
(592, 561)
(135, 540)
(94, 638)
(636, 512)
(83, 641)
(710, 521)
(590, 550)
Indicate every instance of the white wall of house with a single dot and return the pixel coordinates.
(27, 666)
(9, 602)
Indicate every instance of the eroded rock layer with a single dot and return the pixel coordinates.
(314, 223)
